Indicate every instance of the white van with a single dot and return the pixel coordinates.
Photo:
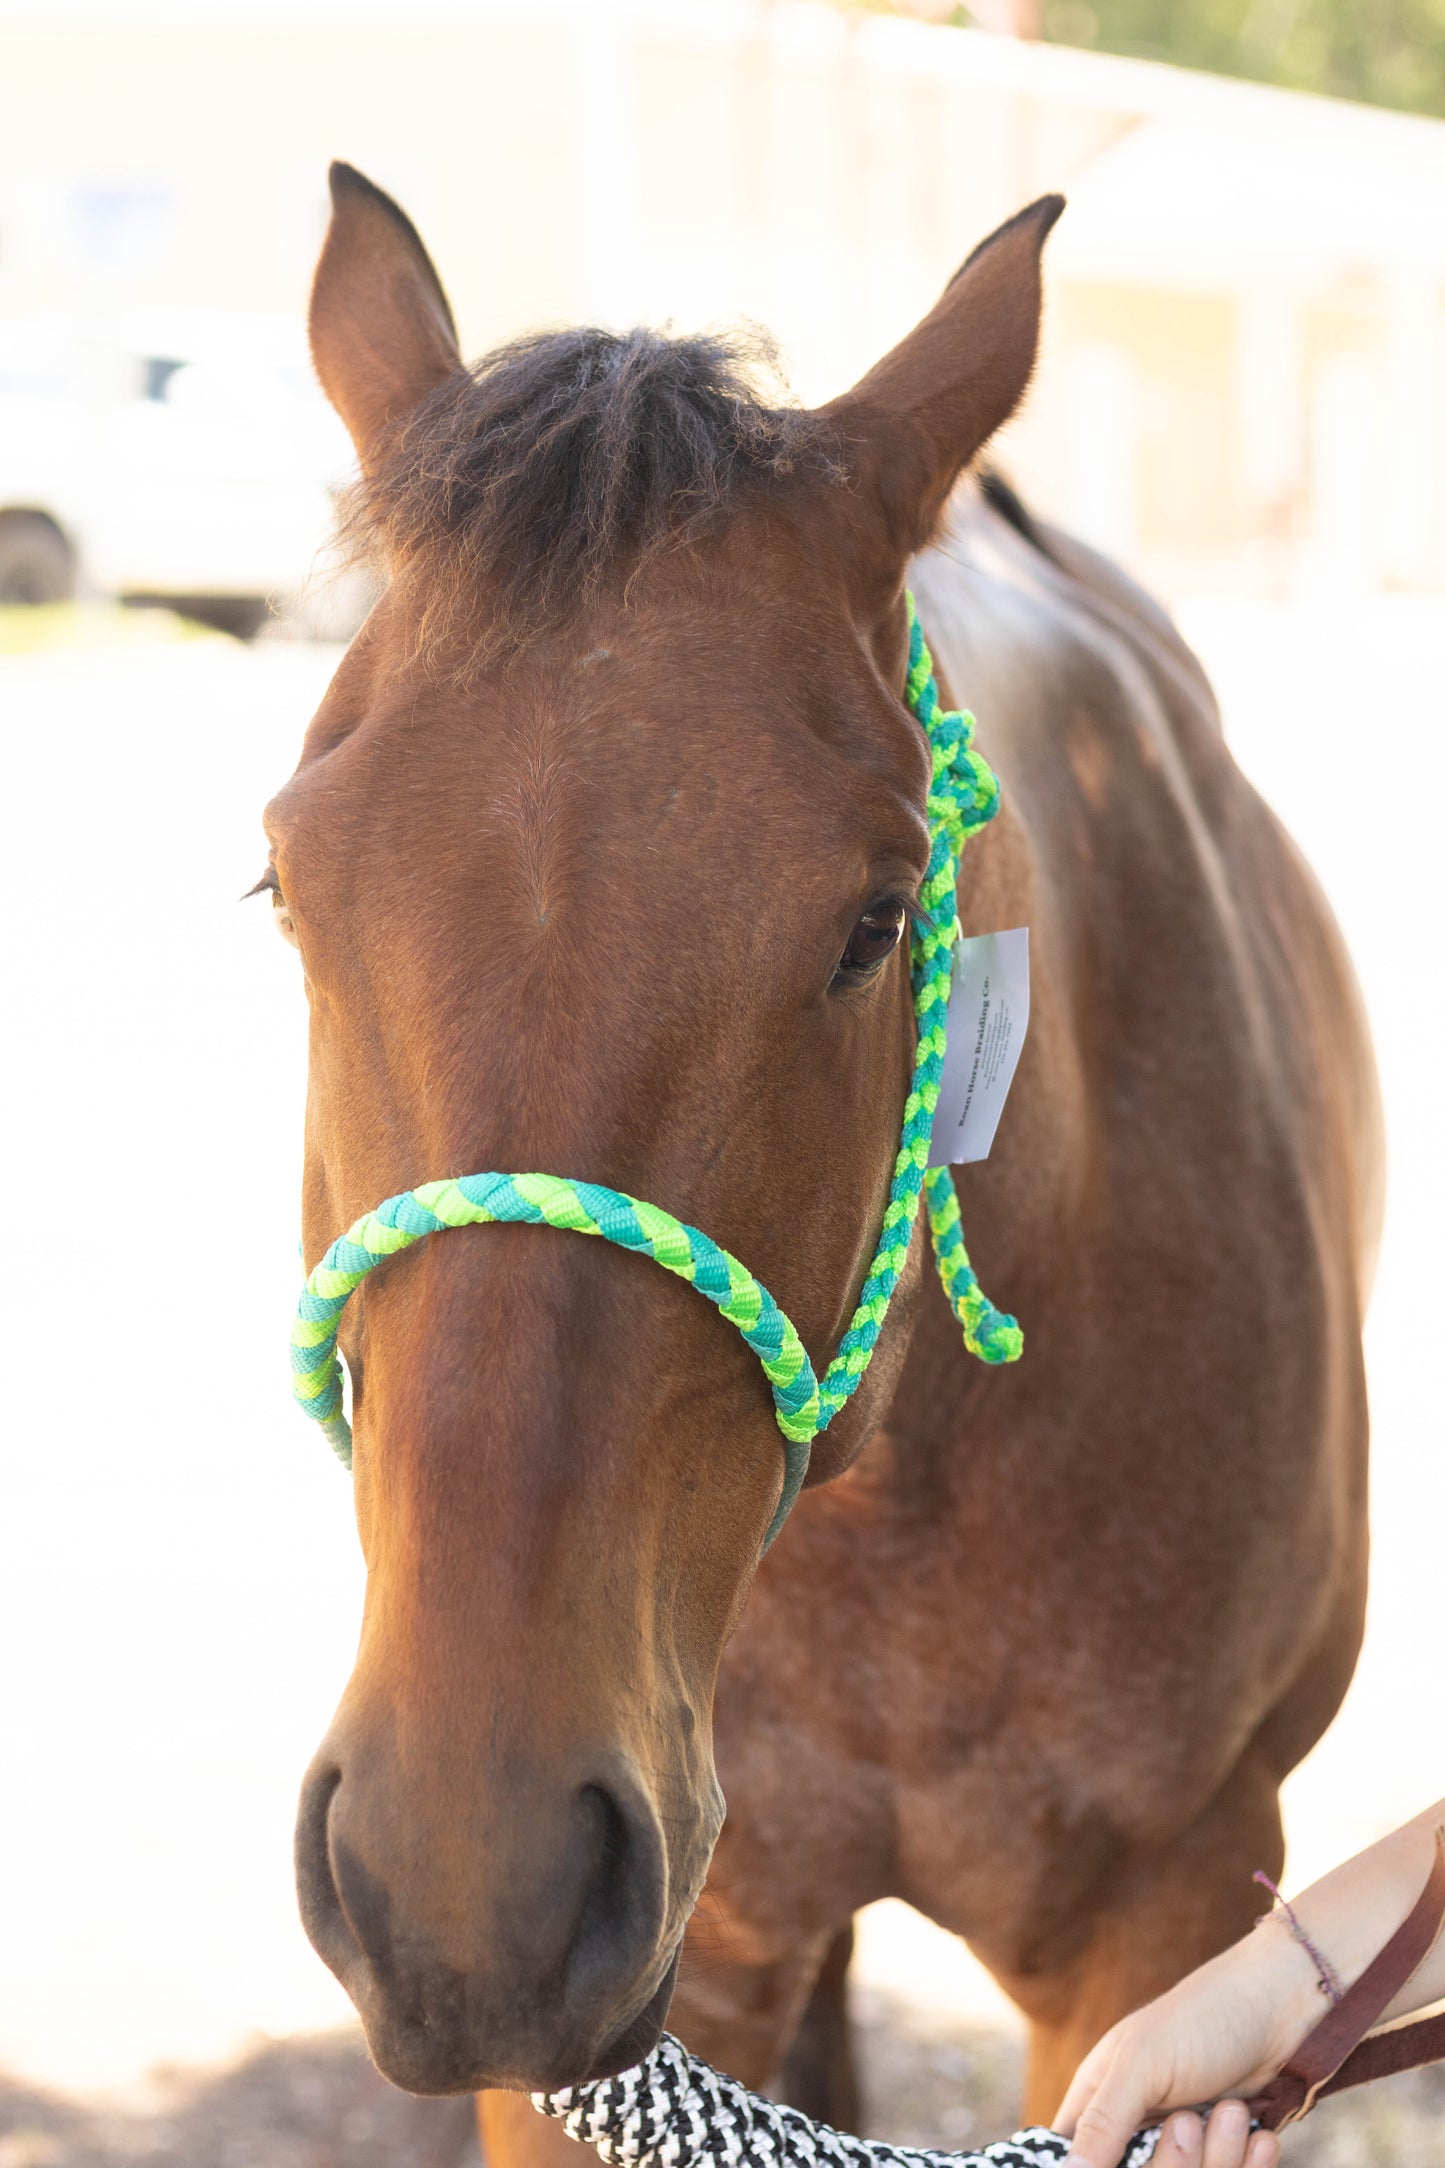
(168, 455)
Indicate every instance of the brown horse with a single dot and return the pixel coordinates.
(598, 858)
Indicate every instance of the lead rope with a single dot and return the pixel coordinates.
(963, 797)
(676, 2111)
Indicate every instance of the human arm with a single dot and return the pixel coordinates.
(1228, 2027)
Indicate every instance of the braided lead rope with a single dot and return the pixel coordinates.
(963, 797)
(675, 2111)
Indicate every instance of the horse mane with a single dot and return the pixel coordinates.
(1000, 494)
(562, 460)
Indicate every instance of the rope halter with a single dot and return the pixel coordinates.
(963, 797)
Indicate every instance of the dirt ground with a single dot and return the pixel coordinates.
(317, 2103)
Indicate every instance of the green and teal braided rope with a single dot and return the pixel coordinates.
(584, 1208)
(962, 798)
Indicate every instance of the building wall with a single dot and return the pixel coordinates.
(1220, 413)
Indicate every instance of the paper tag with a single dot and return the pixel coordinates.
(988, 1014)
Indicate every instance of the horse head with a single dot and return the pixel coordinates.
(599, 858)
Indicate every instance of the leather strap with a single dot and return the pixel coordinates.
(1403, 2047)
(1338, 2054)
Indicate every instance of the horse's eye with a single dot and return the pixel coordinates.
(874, 938)
(269, 884)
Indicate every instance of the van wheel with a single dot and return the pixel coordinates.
(37, 564)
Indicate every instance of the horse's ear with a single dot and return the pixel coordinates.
(381, 327)
(912, 424)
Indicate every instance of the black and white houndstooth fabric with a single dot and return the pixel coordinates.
(674, 2111)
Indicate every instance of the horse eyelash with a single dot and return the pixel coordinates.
(268, 880)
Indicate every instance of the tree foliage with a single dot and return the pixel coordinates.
(1385, 52)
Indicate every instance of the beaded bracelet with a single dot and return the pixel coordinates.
(1328, 1980)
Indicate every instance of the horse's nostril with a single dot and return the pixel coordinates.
(313, 1860)
(540, 1950)
(606, 1895)
(321, 1910)
(622, 1910)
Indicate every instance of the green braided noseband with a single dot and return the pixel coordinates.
(962, 798)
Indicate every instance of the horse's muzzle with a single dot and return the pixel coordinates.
(552, 1964)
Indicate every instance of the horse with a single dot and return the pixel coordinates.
(600, 856)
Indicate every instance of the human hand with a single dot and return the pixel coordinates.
(1223, 2030)
(1223, 2140)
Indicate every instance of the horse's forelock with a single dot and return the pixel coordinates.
(516, 488)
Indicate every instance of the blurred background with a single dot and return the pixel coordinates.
(1240, 391)
(1242, 395)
